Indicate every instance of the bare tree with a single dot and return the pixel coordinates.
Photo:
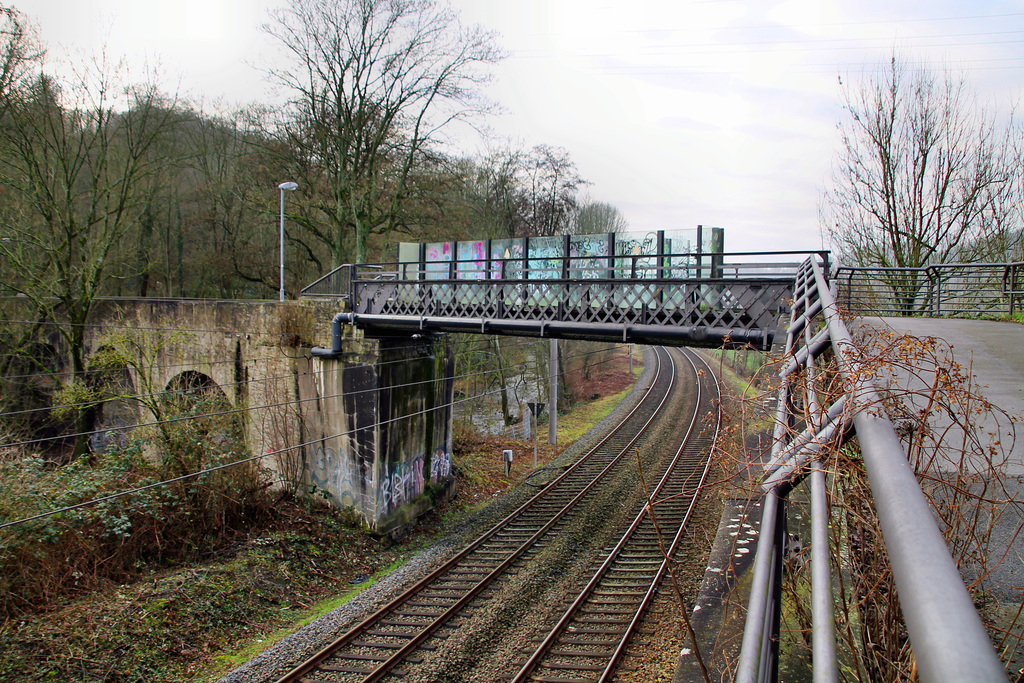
(552, 187)
(20, 51)
(494, 186)
(372, 83)
(599, 217)
(924, 173)
(76, 161)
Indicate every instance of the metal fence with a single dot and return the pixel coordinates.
(953, 289)
(629, 298)
(948, 638)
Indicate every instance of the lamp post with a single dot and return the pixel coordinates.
(289, 187)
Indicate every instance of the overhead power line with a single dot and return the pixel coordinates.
(234, 411)
(242, 461)
(235, 463)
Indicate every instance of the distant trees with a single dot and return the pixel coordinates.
(111, 187)
(372, 83)
(76, 170)
(599, 217)
(924, 174)
(553, 184)
(513, 192)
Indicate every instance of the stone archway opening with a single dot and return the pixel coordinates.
(199, 425)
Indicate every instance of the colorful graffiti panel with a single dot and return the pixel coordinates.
(472, 260)
(439, 255)
(403, 482)
(506, 259)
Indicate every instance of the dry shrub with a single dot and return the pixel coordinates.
(958, 444)
(48, 559)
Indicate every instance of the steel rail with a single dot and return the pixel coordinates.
(400, 654)
(617, 648)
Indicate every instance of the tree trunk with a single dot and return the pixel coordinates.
(508, 417)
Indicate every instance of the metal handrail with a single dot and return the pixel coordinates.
(325, 285)
(1010, 286)
(945, 289)
(949, 640)
(667, 266)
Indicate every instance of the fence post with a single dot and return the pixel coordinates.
(353, 297)
(1012, 289)
(566, 246)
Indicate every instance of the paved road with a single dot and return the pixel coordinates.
(995, 353)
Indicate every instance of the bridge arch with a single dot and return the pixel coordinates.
(204, 427)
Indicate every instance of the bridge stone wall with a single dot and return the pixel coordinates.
(344, 420)
(381, 423)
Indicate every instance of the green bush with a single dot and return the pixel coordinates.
(80, 550)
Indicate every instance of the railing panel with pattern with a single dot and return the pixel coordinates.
(634, 297)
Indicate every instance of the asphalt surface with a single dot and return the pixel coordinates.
(994, 353)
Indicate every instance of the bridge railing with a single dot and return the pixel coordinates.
(948, 638)
(670, 266)
(698, 298)
(951, 289)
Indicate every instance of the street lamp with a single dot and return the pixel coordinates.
(284, 186)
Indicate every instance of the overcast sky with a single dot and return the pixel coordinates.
(718, 112)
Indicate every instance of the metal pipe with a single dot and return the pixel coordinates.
(823, 634)
(949, 639)
(335, 349)
(823, 631)
(806, 447)
(695, 335)
(283, 187)
(553, 393)
(751, 650)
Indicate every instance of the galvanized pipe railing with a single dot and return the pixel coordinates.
(949, 640)
(947, 289)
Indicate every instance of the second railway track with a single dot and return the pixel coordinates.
(405, 635)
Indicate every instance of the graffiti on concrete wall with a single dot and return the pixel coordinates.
(403, 481)
(336, 474)
(440, 466)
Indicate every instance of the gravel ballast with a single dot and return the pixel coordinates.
(489, 644)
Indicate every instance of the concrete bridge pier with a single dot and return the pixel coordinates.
(378, 415)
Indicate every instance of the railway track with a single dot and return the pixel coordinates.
(401, 634)
(590, 639)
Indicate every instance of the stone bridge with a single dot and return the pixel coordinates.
(369, 428)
